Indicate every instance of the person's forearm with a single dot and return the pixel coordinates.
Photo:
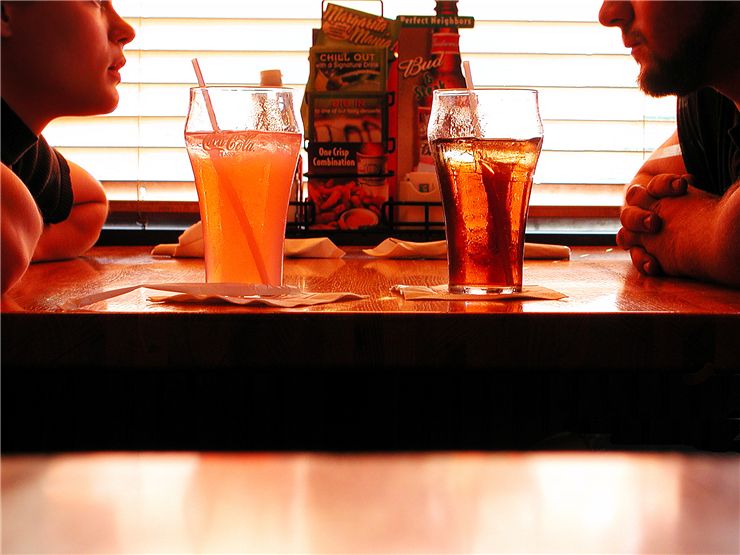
(75, 235)
(663, 160)
(81, 229)
(724, 264)
(22, 227)
(702, 239)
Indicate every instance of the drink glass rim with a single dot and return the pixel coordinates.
(238, 88)
(461, 91)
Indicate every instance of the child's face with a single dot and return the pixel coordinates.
(67, 54)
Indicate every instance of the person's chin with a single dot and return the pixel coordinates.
(95, 107)
(107, 103)
(651, 84)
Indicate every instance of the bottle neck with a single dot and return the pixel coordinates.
(446, 7)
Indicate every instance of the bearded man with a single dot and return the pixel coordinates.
(682, 210)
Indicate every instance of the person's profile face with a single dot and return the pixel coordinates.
(73, 50)
(669, 40)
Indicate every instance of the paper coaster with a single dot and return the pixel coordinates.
(236, 293)
(282, 301)
(440, 293)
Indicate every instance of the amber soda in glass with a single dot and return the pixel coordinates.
(485, 144)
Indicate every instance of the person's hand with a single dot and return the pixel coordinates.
(641, 222)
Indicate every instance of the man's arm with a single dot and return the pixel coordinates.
(81, 229)
(699, 235)
(21, 225)
(671, 227)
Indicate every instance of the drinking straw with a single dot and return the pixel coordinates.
(206, 96)
(495, 193)
(473, 99)
(468, 75)
(229, 189)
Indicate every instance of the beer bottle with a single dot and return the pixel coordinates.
(446, 46)
(446, 73)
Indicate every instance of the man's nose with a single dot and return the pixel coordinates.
(615, 13)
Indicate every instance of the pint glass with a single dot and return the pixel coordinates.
(485, 144)
(243, 144)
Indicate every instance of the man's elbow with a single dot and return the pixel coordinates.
(94, 219)
(74, 236)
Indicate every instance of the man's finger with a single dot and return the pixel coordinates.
(627, 239)
(645, 262)
(639, 220)
(637, 195)
(667, 185)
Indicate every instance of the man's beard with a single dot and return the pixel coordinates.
(686, 70)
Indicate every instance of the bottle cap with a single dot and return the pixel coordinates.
(271, 78)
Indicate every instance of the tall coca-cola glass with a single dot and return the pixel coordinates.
(243, 144)
(485, 144)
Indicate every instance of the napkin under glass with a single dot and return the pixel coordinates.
(396, 248)
(286, 296)
(441, 293)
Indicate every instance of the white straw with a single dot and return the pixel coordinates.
(206, 96)
(468, 75)
(229, 189)
(473, 99)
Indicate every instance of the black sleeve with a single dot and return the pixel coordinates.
(46, 174)
(706, 120)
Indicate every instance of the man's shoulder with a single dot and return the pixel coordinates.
(706, 99)
(706, 122)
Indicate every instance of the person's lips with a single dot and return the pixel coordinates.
(634, 44)
(638, 52)
(116, 66)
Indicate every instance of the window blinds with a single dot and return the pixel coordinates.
(598, 126)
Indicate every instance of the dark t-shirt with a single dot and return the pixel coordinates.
(41, 168)
(709, 133)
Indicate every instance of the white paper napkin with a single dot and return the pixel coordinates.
(441, 293)
(190, 245)
(396, 248)
(312, 247)
(235, 293)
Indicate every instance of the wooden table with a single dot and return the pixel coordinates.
(621, 349)
(462, 502)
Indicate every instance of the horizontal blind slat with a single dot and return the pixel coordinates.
(556, 102)
(516, 37)
(168, 132)
(172, 164)
(537, 70)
